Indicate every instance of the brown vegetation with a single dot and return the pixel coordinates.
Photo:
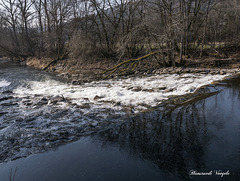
(171, 31)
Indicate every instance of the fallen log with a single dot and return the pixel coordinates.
(50, 63)
(133, 65)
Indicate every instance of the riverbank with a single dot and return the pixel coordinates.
(79, 72)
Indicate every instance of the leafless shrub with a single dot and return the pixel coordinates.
(82, 47)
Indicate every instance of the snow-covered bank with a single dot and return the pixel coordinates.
(139, 93)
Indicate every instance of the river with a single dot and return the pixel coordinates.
(48, 133)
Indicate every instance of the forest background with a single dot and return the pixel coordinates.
(80, 32)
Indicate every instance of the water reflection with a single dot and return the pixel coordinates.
(172, 139)
(181, 138)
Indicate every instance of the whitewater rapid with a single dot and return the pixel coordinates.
(4, 83)
(138, 92)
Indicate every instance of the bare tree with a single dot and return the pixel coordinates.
(180, 22)
(26, 15)
(9, 15)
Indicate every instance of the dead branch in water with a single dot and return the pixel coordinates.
(131, 63)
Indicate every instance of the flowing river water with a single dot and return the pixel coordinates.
(51, 137)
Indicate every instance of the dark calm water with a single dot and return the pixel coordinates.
(167, 143)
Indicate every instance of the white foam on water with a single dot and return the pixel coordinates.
(132, 91)
(4, 83)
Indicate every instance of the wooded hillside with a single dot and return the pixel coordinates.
(119, 29)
